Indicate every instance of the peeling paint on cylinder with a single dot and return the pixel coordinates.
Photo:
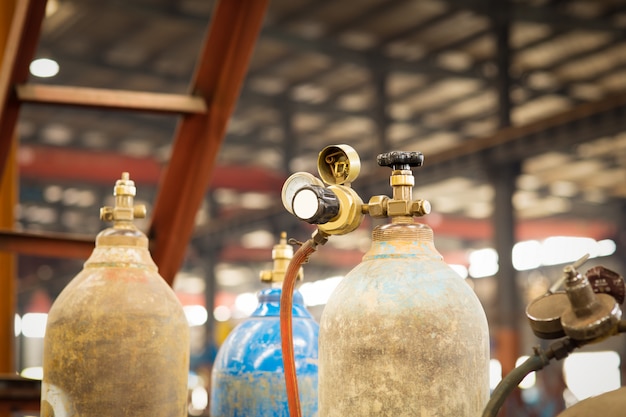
(403, 335)
(117, 340)
(248, 375)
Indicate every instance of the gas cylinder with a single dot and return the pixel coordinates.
(248, 373)
(117, 340)
(402, 334)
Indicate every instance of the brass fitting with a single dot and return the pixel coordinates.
(381, 206)
(420, 207)
(377, 206)
(281, 255)
(124, 210)
(401, 205)
(590, 316)
(350, 213)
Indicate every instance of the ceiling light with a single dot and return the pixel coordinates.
(44, 68)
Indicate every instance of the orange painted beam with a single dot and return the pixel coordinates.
(66, 164)
(219, 76)
(537, 229)
(103, 168)
(50, 244)
(19, 49)
(8, 198)
(110, 99)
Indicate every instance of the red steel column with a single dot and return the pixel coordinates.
(8, 197)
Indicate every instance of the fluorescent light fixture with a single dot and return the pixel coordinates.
(34, 324)
(318, 292)
(483, 263)
(495, 373)
(196, 315)
(589, 374)
(44, 68)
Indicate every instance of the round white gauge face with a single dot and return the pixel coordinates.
(295, 183)
(305, 204)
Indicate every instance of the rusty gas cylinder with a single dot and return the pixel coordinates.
(117, 340)
(403, 335)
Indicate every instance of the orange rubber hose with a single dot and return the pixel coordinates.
(286, 333)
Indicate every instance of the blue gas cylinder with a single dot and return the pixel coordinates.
(248, 375)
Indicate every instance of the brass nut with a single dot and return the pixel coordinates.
(398, 208)
(106, 214)
(377, 206)
(139, 211)
(266, 276)
(122, 213)
(402, 179)
(350, 212)
(420, 207)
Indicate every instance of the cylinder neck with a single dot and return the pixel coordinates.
(122, 214)
(403, 228)
(269, 304)
(402, 240)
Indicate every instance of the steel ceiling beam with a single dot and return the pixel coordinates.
(344, 54)
(546, 13)
(583, 123)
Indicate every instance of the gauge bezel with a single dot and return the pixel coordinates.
(348, 156)
(293, 184)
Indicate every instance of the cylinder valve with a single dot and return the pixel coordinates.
(402, 182)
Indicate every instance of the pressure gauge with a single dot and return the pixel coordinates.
(338, 164)
(295, 183)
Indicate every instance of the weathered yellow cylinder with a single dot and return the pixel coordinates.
(117, 340)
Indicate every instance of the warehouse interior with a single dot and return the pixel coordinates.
(519, 108)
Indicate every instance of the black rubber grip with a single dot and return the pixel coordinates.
(400, 159)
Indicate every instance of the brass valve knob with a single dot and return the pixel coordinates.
(402, 182)
(400, 160)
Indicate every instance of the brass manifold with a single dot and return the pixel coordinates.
(340, 210)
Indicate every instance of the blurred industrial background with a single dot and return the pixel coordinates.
(519, 108)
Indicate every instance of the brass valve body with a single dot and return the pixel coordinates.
(281, 255)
